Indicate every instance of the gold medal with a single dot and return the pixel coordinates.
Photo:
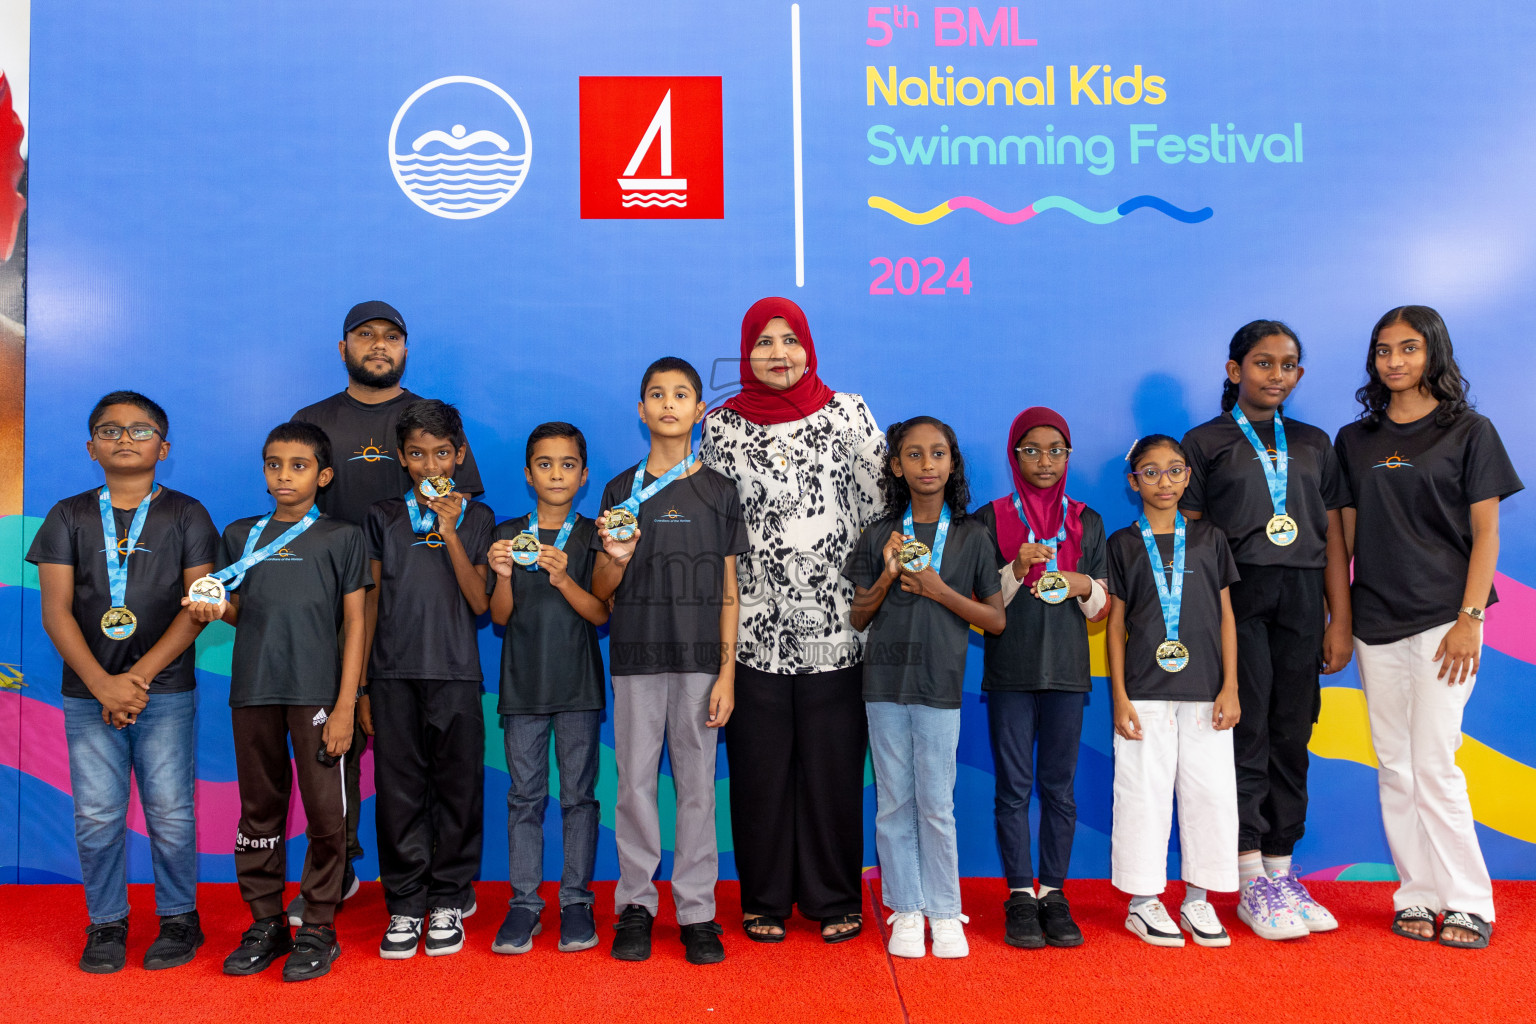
(1281, 530)
(915, 556)
(437, 486)
(1052, 587)
(206, 590)
(525, 549)
(620, 524)
(1172, 656)
(119, 623)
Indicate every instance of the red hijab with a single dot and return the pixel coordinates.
(1041, 505)
(765, 405)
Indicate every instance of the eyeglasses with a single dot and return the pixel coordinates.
(1174, 473)
(1033, 454)
(113, 432)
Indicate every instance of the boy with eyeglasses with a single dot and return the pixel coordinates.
(113, 564)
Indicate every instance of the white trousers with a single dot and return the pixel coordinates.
(1179, 753)
(1416, 729)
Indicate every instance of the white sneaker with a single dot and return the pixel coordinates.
(1151, 923)
(906, 934)
(1262, 906)
(1199, 918)
(401, 938)
(1313, 914)
(445, 931)
(949, 937)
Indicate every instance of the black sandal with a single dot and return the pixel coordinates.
(1409, 914)
(857, 920)
(1468, 922)
(764, 921)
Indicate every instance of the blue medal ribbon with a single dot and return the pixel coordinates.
(1169, 594)
(233, 575)
(1276, 473)
(1061, 535)
(423, 522)
(560, 538)
(940, 534)
(117, 559)
(639, 493)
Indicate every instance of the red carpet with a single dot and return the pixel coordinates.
(1361, 973)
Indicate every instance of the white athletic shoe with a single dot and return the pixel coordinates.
(401, 937)
(1199, 918)
(1151, 923)
(906, 934)
(1263, 907)
(949, 937)
(1313, 914)
(445, 931)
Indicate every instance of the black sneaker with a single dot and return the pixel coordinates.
(633, 941)
(349, 884)
(176, 944)
(445, 931)
(1056, 918)
(577, 931)
(263, 942)
(295, 912)
(106, 948)
(1023, 927)
(314, 950)
(517, 931)
(701, 943)
(401, 937)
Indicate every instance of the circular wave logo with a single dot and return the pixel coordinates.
(460, 147)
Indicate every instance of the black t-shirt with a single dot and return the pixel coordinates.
(290, 610)
(1227, 486)
(1208, 568)
(914, 652)
(550, 661)
(1414, 486)
(177, 535)
(425, 628)
(666, 612)
(1044, 646)
(363, 455)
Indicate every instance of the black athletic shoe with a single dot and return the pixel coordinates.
(263, 942)
(517, 931)
(106, 948)
(295, 911)
(577, 932)
(349, 884)
(314, 950)
(633, 941)
(1023, 927)
(1056, 919)
(701, 943)
(176, 944)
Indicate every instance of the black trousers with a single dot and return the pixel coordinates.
(796, 745)
(1281, 616)
(428, 765)
(1020, 724)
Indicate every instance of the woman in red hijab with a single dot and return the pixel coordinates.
(807, 462)
(1052, 562)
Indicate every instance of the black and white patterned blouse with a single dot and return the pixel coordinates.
(808, 488)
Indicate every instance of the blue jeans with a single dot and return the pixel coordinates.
(913, 747)
(158, 749)
(576, 753)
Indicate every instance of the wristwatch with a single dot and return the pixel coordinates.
(1478, 614)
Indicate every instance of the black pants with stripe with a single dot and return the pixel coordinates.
(266, 774)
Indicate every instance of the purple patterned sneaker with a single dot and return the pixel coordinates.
(1262, 907)
(1312, 913)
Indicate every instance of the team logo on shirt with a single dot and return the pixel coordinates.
(122, 548)
(474, 166)
(284, 555)
(651, 148)
(673, 516)
(1393, 461)
(371, 452)
(431, 540)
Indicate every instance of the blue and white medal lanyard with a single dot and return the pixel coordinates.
(1052, 587)
(119, 623)
(233, 575)
(527, 555)
(915, 555)
(1172, 656)
(1281, 528)
(639, 493)
(423, 522)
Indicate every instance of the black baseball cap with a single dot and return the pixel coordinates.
(372, 310)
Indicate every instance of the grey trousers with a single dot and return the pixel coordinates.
(647, 709)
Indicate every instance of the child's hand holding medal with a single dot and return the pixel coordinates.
(447, 506)
(619, 531)
(553, 561)
(499, 558)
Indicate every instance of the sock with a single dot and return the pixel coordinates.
(1193, 893)
(1250, 865)
(1277, 865)
(1046, 888)
(1137, 902)
(1028, 888)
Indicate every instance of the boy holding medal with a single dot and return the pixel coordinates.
(551, 680)
(291, 578)
(666, 554)
(112, 564)
(427, 555)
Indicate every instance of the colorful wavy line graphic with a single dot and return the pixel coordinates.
(1037, 207)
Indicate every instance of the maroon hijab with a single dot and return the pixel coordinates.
(765, 405)
(1042, 506)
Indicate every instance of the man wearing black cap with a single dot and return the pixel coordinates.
(360, 423)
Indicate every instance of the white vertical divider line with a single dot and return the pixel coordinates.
(794, 63)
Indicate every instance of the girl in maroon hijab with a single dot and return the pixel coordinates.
(1052, 564)
(807, 462)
